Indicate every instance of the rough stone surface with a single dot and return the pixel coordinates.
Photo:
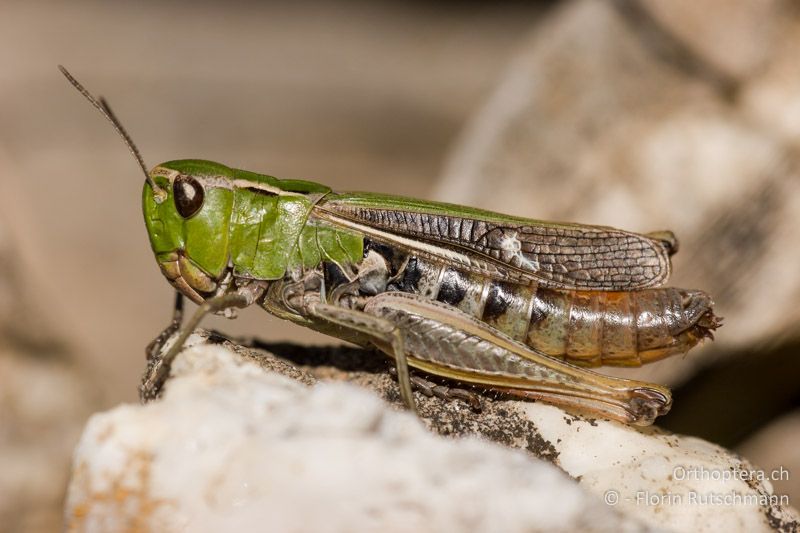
(233, 448)
(231, 443)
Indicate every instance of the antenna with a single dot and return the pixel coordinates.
(102, 105)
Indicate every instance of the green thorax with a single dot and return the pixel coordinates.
(260, 224)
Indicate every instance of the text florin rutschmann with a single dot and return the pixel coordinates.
(700, 473)
(695, 497)
(732, 498)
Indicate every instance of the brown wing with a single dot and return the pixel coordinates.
(568, 256)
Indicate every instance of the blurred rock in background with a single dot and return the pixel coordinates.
(774, 448)
(45, 397)
(667, 115)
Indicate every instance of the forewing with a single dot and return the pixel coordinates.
(568, 256)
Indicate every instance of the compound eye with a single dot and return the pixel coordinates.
(188, 194)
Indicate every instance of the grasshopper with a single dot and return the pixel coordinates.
(519, 306)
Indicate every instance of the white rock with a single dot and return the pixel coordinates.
(233, 448)
(672, 481)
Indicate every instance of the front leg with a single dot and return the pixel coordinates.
(158, 366)
(157, 344)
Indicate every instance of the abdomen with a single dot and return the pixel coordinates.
(588, 328)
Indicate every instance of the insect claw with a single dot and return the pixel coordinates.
(647, 404)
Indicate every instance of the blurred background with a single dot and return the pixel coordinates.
(642, 114)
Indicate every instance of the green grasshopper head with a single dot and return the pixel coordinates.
(188, 216)
(207, 221)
